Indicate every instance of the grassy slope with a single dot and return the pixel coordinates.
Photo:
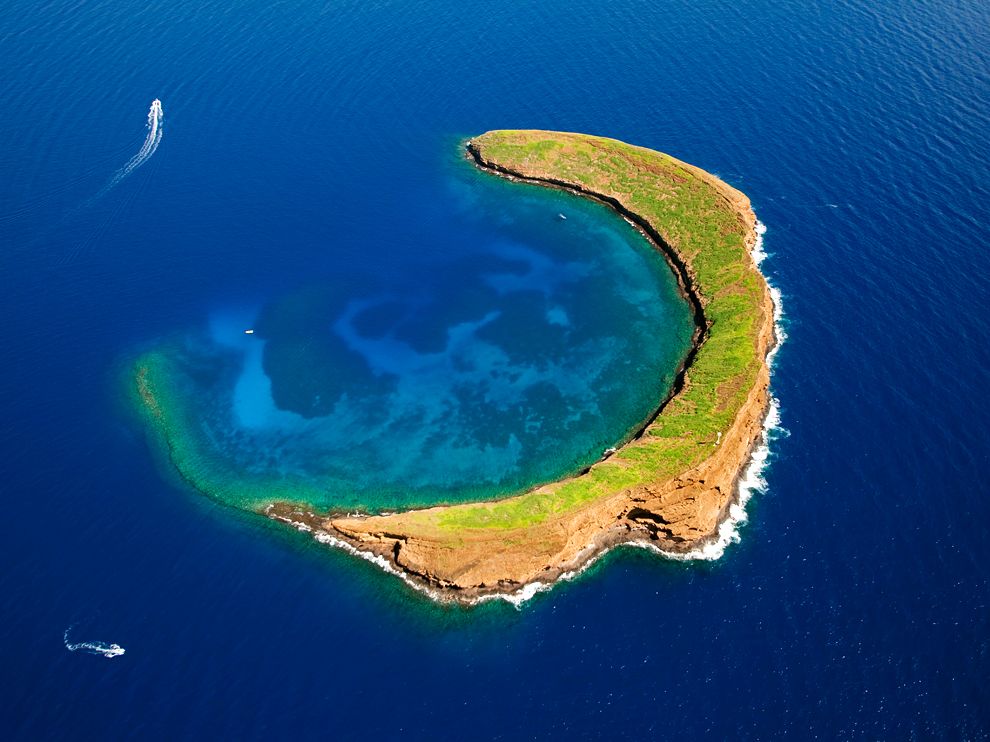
(706, 231)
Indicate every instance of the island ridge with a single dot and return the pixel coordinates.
(672, 485)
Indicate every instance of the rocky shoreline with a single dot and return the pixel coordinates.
(676, 515)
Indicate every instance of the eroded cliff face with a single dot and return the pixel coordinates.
(677, 514)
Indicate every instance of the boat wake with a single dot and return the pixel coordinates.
(155, 121)
(107, 650)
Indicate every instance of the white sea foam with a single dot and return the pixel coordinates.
(759, 255)
(517, 598)
(325, 538)
(96, 647)
(520, 596)
(751, 482)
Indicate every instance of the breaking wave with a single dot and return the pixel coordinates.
(752, 480)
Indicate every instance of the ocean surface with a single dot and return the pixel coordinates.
(305, 181)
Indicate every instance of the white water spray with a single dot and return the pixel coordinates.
(107, 650)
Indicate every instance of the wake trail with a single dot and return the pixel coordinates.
(148, 148)
(155, 120)
(96, 647)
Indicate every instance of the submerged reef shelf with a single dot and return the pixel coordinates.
(675, 483)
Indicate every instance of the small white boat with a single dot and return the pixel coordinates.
(561, 216)
(249, 332)
(114, 650)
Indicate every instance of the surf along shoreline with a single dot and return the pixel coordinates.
(517, 546)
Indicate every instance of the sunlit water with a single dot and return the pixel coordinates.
(309, 159)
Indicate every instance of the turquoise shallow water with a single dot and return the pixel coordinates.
(313, 144)
(545, 331)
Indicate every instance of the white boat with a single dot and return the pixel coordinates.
(114, 650)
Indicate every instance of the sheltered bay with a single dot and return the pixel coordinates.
(673, 483)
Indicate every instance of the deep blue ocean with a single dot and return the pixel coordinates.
(312, 150)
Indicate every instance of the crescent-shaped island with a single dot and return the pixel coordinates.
(672, 484)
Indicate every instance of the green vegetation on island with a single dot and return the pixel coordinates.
(699, 221)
